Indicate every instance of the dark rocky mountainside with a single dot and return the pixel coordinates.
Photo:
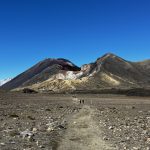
(126, 70)
(108, 71)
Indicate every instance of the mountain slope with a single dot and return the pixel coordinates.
(40, 72)
(126, 70)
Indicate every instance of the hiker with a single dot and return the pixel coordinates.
(83, 101)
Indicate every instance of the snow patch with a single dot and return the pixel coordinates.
(2, 82)
(69, 75)
(70, 64)
(60, 76)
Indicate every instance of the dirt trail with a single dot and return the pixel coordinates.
(83, 133)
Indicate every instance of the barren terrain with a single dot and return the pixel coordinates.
(58, 121)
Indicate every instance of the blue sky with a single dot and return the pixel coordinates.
(79, 30)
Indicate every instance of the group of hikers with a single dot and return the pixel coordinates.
(81, 101)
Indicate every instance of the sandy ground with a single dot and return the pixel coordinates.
(83, 133)
(60, 122)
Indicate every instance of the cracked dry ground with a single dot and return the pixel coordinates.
(57, 122)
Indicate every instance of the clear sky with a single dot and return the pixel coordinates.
(79, 30)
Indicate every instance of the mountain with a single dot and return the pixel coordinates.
(2, 82)
(41, 72)
(108, 71)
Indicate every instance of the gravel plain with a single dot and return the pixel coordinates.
(42, 121)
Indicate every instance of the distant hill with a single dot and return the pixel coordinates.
(108, 71)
